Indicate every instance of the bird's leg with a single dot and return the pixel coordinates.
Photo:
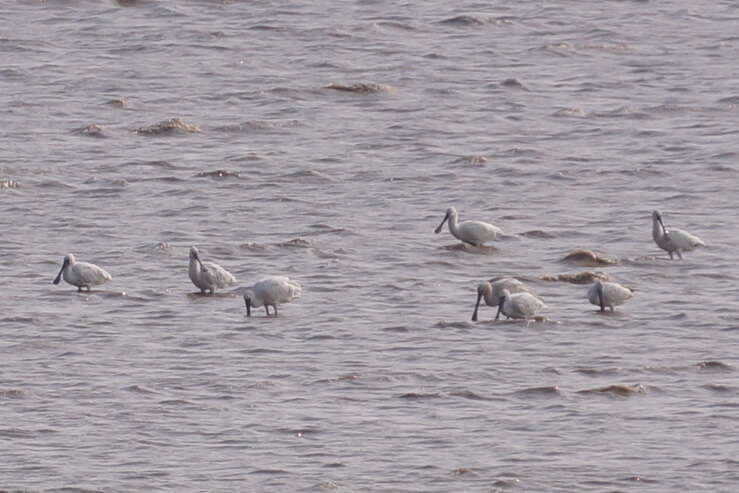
(79, 289)
(679, 254)
(275, 307)
(670, 255)
(266, 308)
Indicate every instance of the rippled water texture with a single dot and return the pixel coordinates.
(324, 141)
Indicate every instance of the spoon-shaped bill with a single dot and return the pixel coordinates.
(477, 305)
(438, 229)
(61, 271)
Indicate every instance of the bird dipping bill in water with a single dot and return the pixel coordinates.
(519, 305)
(271, 291)
(81, 274)
(473, 232)
(605, 294)
(673, 240)
(491, 291)
(207, 276)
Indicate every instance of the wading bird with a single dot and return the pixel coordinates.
(207, 276)
(673, 240)
(605, 294)
(81, 274)
(473, 232)
(271, 291)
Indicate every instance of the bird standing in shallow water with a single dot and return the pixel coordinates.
(207, 276)
(81, 274)
(519, 305)
(673, 240)
(605, 294)
(473, 232)
(492, 291)
(271, 291)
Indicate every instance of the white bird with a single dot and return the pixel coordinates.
(492, 290)
(271, 291)
(472, 232)
(207, 276)
(673, 240)
(519, 305)
(605, 294)
(81, 274)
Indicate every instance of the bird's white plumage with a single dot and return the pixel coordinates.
(491, 291)
(608, 294)
(673, 240)
(81, 274)
(472, 232)
(520, 305)
(207, 276)
(271, 291)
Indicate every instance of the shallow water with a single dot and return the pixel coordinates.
(562, 124)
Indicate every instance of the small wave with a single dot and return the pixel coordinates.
(513, 84)
(154, 164)
(468, 20)
(55, 184)
(254, 246)
(468, 394)
(586, 258)
(507, 483)
(714, 366)
(218, 174)
(361, 87)
(627, 112)
(139, 390)
(173, 125)
(419, 396)
(259, 125)
(729, 100)
(15, 433)
(117, 103)
(296, 243)
(175, 402)
(91, 130)
(597, 372)
(570, 113)
(720, 389)
(480, 250)
(309, 176)
(395, 329)
(546, 391)
(621, 390)
(12, 394)
(577, 278)
(461, 471)
(538, 233)
(475, 159)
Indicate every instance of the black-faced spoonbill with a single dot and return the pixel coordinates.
(207, 276)
(492, 291)
(81, 274)
(519, 305)
(673, 240)
(473, 232)
(605, 294)
(271, 291)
